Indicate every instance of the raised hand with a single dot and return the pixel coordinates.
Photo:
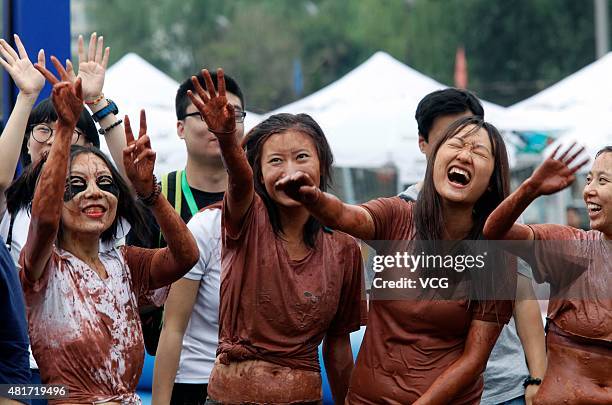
(215, 109)
(139, 158)
(26, 77)
(554, 174)
(92, 66)
(300, 187)
(67, 96)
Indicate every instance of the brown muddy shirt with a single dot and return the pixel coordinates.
(409, 343)
(84, 330)
(581, 298)
(276, 309)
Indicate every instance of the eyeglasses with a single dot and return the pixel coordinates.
(238, 115)
(43, 132)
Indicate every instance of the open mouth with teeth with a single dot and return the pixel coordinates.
(592, 207)
(94, 211)
(459, 176)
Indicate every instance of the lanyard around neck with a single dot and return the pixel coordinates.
(193, 207)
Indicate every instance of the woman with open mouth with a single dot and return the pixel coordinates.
(576, 263)
(287, 283)
(82, 303)
(425, 351)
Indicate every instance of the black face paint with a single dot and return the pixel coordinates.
(74, 186)
(106, 183)
(77, 184)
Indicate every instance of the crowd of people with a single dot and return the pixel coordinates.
(234, 269)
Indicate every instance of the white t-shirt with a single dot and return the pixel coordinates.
(202, 334)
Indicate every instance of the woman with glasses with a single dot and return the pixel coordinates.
(287, 283)
(30, 131)
(82, 302)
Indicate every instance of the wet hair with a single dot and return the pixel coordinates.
(254, 142)
(44, 112)
(445, 102)
(21, 193)
(429, 219)
(605, 149)
(182, 100)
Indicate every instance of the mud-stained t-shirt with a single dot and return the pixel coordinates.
(85, 331)
(276, 309)
(577, 264)
(408, 343)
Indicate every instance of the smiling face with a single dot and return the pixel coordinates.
(90, 200)
(284, 154)
(598, 194)
(463, 166)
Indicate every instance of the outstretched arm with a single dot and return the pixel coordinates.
(553, 175)
(328, 209)
(219, 116)
(172, 262)
(48, 197)
(30, 82)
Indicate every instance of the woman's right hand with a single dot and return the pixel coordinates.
(67, 97)
(554, 174)
(26, 77)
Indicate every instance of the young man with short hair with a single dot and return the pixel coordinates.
(510, 364)
(185, 343)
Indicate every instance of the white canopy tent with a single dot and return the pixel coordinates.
(368, 115)
(583, 104)
(135, 84)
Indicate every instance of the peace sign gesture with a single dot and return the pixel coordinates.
(67, 96)
(139, 158)
(214, 108)
(554, 174)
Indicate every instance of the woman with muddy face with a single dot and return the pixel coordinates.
(576, 263)
(287, 283)
(425, 351)
(82, 303)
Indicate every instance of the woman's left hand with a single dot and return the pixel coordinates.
(139, 158)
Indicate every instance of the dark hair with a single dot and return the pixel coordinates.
(182, 100)
(44, 112)
(429, 219)
(445, 102)
(254, 142)
(605, 149)
(21, 193)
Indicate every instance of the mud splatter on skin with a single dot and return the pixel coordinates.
(85, 330)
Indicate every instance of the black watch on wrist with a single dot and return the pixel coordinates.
(531, 381)
(111, 108)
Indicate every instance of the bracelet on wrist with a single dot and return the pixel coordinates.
(531, 381)
(151, 198)
(104, 131)
(96, 100)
